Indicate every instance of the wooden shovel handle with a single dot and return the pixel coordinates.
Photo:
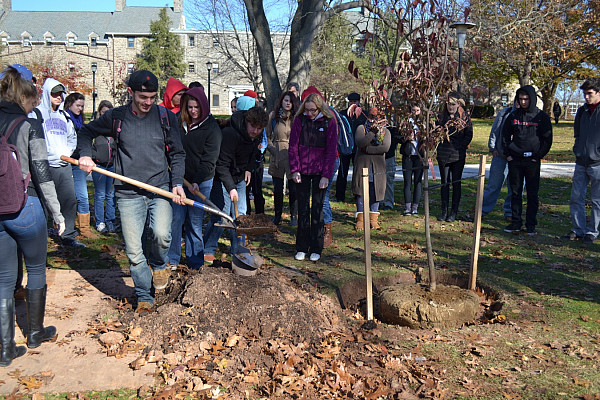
(142, 185)
(235, 207)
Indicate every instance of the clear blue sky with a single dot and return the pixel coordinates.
(78, 5)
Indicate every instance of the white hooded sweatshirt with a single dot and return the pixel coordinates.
(61, 138)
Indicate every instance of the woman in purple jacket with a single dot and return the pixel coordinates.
(312, 154)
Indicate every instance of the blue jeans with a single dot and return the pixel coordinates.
(582, 176)
(81, 192)
(192, 218)
(27, 231)
(327, 215)
(134, 211)
(497, 178)
(104, 191)
(213, 233)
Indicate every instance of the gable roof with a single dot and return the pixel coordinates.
(131, 21)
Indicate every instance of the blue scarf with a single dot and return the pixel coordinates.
(77, 120)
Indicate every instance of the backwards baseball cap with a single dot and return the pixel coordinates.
(354, 96)
(22, 70)
(143, 81)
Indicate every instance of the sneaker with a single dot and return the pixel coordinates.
(300, 256)
(407, 212)
(76, 244)
(315, 257)
(294, 221)
(101, 227)
(512, 229)
(144, 307)
(571, 236)
(531, 232)
(588, 238)
(209, 258)
(160, 278)
(415, 213)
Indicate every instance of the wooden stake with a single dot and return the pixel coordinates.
(367, 231)
(477, 224)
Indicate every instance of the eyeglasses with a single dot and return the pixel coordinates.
(311, 110)
(57, 94)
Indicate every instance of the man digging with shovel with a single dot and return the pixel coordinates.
(148, 144)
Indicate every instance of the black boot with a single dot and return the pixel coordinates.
(444, 213)
(452, 216)
(10, 350)
(36, 307)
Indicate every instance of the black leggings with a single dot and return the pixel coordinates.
(451, 172)
(278, 196)
(413, 174)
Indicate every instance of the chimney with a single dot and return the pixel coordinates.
(121, 4)
(178, 6)
(7, 5)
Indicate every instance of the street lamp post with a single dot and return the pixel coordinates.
(94, 69)
(461, 34)
(209, 66)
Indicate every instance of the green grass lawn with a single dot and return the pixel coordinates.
(550, 346)
(562, 143)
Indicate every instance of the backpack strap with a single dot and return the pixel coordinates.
(11, 128)
(38, 115)
(165, 125)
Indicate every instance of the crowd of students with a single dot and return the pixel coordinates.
(180, 147)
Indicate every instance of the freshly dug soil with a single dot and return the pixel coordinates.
(255, 224)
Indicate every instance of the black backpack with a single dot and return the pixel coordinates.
(13, 195)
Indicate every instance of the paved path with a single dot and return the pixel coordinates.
(549, 170)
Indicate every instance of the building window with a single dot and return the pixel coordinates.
(130, 68)
(192, 68)
(215, 100)
(26, 42)
(573, 109)
(191, 41)
(48, 40)
(215, 68)
(71, 66)
(94, 42)
(4, 41)
(130, 42)
(216, 43)
(71, 41)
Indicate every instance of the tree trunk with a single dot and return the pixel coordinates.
(429, 247)
(548, 94)
(262, 35)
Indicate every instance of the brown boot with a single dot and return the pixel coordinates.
(373, 220)
(85, 229)
(360, 225)
(328, 237)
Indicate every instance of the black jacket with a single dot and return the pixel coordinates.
(456, 148)
(202, 145)
(587, 136)
(144, 152)
(238, 151)
(527, 133)
(355, 122)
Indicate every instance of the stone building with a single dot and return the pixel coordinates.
(109, 42)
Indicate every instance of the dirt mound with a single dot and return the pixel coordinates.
(215, 304)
